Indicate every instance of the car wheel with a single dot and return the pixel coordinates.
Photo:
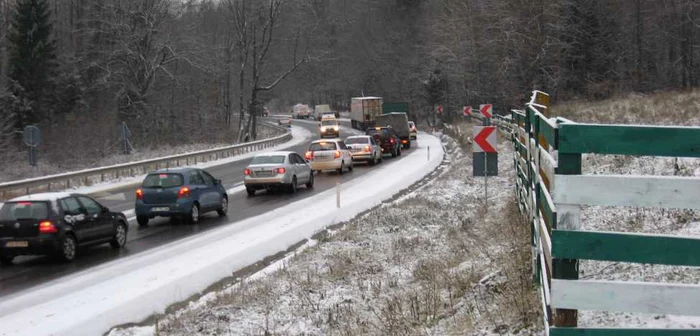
(293, 188)
(342, 167)
(373, 161)
(142, 220)
(310, 184)
(69, 248)
(399, 151)
(6, 260)
(408, 145)
(223, 210)
(251, 192)
(351, 167)
(394, 153)
(119, 239)
(193, 217)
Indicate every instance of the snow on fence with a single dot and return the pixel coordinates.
(551, 192)
(102, 174)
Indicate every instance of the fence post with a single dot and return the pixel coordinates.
(569, 164)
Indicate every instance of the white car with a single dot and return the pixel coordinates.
(277, 170)
(364, 148)
(285, 121)
(329, 155)
(413, 130)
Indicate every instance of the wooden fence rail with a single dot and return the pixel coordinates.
(551, 190)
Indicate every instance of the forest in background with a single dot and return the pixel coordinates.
(182, 72)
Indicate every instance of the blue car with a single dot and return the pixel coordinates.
(182, 192)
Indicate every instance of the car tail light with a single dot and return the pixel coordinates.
(184, 192)
(281, 170)
(368, 149)
(404, 141)
(24, 203)
(47, 227)
(337, 154)
(246, 172)
(391, 140)
(139, 194)
(309, 155)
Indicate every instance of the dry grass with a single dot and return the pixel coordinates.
(432, 263)
(665, 108)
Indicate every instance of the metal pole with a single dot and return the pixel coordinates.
(486, 181)
(337, 195)
(428, 153)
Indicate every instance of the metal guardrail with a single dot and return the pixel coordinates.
(96, 175)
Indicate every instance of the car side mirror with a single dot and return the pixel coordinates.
(217, 182)
(105, 209)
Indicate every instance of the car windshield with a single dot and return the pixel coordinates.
(411, 124)
(358, 140)
(268, 159)
(328, 123)
(24, 210)
(163, 180)
(322, 146)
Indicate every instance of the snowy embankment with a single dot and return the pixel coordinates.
(431, 261)
(133, 288)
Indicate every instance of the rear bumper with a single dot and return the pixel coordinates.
(42, 245)
(362, 157)
(325, 165)
(332, 133)
(174, 209)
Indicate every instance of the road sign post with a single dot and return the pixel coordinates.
(31, 136)
(485, 155)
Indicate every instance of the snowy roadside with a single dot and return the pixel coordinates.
(429, 261)
(133, 288)
(18, 169)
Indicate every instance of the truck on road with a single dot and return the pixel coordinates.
(300, 111)
(364, 110)
(399, 122)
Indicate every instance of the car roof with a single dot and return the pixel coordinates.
(325, 140)
(49, 196)
(173, 170)
(359, 136)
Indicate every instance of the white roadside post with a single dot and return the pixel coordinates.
(428, 153)
(337, 195)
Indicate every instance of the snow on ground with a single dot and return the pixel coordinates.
(132, 288)
(18, 169)
(431, 261)
(299, 135)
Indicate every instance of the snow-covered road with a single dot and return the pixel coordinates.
(133, 288)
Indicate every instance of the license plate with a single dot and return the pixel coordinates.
(160, 209)
(263, 173)
(17, 244)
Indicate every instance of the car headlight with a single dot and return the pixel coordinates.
(323, 129)
(335, 128)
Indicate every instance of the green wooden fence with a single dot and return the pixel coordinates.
(551, 192)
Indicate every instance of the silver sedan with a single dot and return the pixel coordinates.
(277, 170)
(364, 148)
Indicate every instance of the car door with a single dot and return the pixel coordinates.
(303, 169)
(76, 217)
(212, 193)
(199, 190)
(346, 152)
(97, 219)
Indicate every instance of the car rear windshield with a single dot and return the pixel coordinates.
(383, 132)
(24, 210)
(328, 123)
(322, 146)
(411, 124)
(163, 180)
(268, 159)
(356, 140)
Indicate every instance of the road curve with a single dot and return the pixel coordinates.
(30, 271)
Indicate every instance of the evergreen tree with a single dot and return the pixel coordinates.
(32, 58)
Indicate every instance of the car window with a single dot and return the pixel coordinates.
(300, 159)
(70, 205)
(292, 159)
(90, 205)
(342, 145)
(208, 179)
(195, 178)
(164, 180)
(322, 146)
(266, 159)
(24, 210)
(357, 140)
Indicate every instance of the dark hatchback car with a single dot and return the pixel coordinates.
(57, 224)
(387, 139)
(181, 192)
